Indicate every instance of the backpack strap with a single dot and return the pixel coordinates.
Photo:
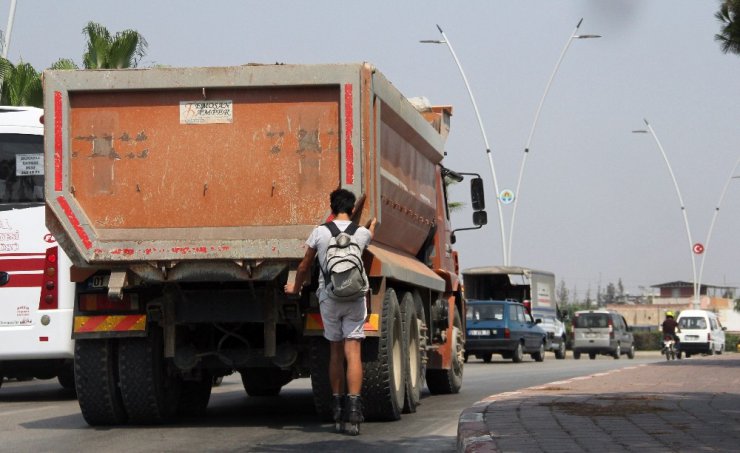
(333, 228)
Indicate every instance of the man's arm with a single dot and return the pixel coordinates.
(304, 271)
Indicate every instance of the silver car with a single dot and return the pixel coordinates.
(601, 332)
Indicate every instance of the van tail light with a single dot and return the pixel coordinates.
(611, 329)
(49, 283)
(507, 333)
(709, 336)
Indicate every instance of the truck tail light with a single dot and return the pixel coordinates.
(92, 302)
(611, 329)
(49, 288)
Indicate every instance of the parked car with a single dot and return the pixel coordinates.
(700, 333)
(555, 330)
(601, 332)
(502, 327)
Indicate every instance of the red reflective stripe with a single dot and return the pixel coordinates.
(24, 281)
(43, 338)
(91, 324)
(58, 141)
(349, 152)
(75, 223)
(127, 323)
(31, 264)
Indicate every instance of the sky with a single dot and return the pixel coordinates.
(597, 203)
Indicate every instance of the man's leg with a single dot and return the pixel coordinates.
(354, 385)
(352, 352)
(336, 367)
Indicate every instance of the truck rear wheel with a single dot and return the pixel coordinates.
(450, 381)
(96, 382)
(383, 375)
(411, 342)
(320, 385)
(149, 395)
(194, 396)
(265, 381)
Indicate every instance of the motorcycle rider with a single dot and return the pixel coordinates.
(670, 327)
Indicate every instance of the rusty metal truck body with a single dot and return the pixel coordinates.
(184, 197)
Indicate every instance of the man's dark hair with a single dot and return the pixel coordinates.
(342, 201)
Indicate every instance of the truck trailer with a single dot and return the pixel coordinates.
(184, 197)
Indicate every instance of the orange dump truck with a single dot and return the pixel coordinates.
(184, 197)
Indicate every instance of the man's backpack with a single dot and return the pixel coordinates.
(344, 273)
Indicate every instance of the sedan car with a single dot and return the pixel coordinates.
(502, 327)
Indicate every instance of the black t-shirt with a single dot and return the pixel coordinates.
(669, 326)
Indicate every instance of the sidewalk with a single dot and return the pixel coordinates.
(684, 405)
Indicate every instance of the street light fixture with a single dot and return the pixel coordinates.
(714, 219)
(573, 35)
(680, 200)
(446, 41)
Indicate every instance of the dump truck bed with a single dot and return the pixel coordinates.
(230, 163)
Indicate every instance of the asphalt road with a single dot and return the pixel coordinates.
(40, 416)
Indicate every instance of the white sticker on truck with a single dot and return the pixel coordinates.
(206, 112)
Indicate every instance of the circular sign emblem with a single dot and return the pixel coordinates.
(698, 248)
(49, 238)
(506, 196)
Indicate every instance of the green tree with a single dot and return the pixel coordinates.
(21, 85)
(105, 51)
(729, 36)
(562, 294)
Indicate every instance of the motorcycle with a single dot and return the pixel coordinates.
(669, 348)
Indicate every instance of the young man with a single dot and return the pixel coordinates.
(343, 321)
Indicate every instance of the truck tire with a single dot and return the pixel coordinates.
(412, 344)
(320, 385)
(383, 374)
(194, 396)
(96, 382)
(149, 395)
(561, 350)
(66, 376)
(441, 382)
(265, 381)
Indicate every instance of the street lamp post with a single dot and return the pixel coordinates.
(680, 200)
(446, 41)
(573, 35)
(714, 219)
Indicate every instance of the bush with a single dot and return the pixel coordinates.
(731, 341)
(648, 340)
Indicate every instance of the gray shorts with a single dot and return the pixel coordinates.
(343, 319)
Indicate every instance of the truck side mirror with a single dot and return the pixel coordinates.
(480, 218)
(476, 194)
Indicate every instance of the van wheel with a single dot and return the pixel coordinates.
(617, 352)
(66, 376)
(487, 357)
(576, 355)
(383, 381)
(518, 355)
(592, 355)
(631, 353)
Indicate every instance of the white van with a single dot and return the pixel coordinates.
(700, 333)
(36, 296)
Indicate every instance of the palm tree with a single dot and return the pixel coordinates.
(105, 51)
(729, 16)
(21, 85)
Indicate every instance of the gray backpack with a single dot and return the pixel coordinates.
(344, 273)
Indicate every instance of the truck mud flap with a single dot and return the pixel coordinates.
(313, 326)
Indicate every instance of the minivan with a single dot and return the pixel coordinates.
(601, 332)
(700, 332)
